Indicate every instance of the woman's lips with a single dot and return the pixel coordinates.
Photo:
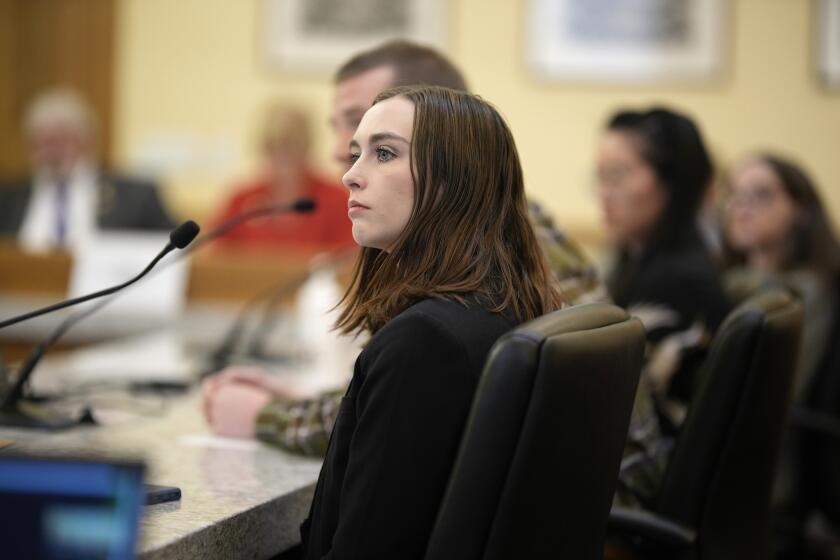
(354, 207)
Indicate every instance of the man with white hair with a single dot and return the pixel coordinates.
(68, 197)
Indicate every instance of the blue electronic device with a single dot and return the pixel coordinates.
(53, 508)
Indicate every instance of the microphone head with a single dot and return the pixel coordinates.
(183, 235)
(304, 205)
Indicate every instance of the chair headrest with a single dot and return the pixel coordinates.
(766, 303)
(582, 317)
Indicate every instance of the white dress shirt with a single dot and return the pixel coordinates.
(39, 229)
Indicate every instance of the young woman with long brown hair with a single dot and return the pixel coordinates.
(449, 263)
(778, 232)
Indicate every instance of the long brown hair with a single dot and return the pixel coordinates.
(468, 232)
(813, 243)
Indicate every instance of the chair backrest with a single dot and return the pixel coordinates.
(819, 449)
(539, 459)
(720, 474)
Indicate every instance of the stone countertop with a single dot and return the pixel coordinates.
(240, 498)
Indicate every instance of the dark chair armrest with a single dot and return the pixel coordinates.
(650, 527)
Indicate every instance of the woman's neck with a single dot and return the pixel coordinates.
(767, 259)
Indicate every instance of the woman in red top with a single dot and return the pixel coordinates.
(286, 177)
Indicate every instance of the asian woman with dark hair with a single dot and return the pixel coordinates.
(653, 170)
(449, 263)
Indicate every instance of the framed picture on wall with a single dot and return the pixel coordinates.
(828, 42)
(627, 41)
(318, 35)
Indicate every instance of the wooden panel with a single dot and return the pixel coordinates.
(231, 278)
(242, 277)
(213, 277)
(49, 43)
(11, 154)
(26, 274)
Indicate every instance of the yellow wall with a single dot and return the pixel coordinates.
(193, 70)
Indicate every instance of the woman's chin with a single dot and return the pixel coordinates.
(365, 241)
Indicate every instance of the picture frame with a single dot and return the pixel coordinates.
(627, 41)
(318, 35)
(827, 14)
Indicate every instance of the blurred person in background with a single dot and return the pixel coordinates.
(653, 170)
(285, 177)
(244, 402)
(777, 232)
(69, 197)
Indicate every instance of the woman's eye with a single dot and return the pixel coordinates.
(383, 154)
(353, 158)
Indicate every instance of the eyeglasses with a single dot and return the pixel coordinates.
(758, 196)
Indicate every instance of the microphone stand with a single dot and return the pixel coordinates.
(268, 298)
(334, 259)
(19, 412)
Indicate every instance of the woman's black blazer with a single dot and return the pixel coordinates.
(397, 432)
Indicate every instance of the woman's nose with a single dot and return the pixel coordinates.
(353, 178)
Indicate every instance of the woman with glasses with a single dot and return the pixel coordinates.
(777, 232)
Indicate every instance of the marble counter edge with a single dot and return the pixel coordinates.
(260, 532)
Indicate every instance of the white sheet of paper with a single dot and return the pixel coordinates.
(219, 442)
(158, 357)
(113, 258)
(155, 357)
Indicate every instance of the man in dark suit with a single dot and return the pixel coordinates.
(68, 198)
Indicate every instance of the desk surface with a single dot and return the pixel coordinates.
(240, 499)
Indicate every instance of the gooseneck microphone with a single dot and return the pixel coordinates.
(300, 206)
(180, 237)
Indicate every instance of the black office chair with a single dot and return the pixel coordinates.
(819, 420)
(539, 460)
(814, 447)
(715, 497)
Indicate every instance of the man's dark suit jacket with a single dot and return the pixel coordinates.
(124, 203)
(398, 431)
